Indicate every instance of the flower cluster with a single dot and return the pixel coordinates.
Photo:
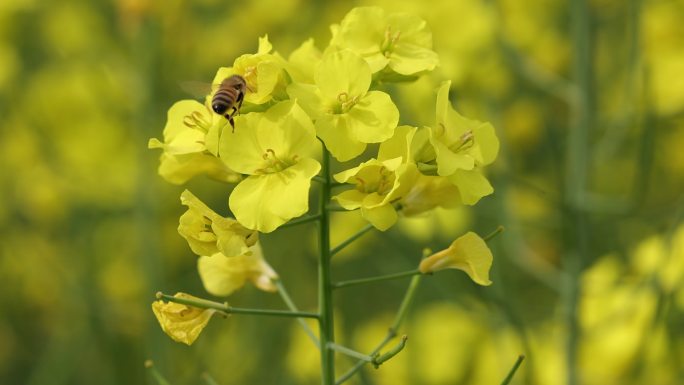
(334, 95)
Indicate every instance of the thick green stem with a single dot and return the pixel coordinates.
(379, 278)
(224, 307)
(578, 154)
(325, 305)
(291, 305)
(351, 239)
(391, 332)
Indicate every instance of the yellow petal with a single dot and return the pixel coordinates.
(350, 199)
(468, 253)
(264, 202)
(472, 185)
(381, 217)
(222, 275)
(182, 323)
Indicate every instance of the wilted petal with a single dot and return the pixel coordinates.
(182, 323)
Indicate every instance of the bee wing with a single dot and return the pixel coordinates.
(197, 89)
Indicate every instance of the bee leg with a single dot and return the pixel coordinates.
(232, 122)
(238, 103)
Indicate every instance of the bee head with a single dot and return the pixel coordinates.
(219, 108)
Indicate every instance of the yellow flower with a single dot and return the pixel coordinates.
(468, 253)
(275, 149)
(186, 154)
(347, 115)
(263, 72)
(380, 183)
(402, 42)
(208, 233)
(427, 193)
(223, 275)
(461, 147)
(182, 323)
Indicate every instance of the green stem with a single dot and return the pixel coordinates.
(291, 305)
(379, 278)
(350, 352)
(224, 307)
(351, 239)
(325, 304)
(149, 365)
(493, 234)
(576, 223)
(319, 179)
(391, 332)
(515, 367)
(299, 221)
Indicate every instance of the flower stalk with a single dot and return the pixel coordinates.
(379, 278)
(514, 369)
(227, 309)
(351, 239)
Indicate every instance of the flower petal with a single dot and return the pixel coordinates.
(333, 131)
(182, 323)
(309, 98)
(284, 131)
(221, 275)
(303, 61)
(468, 253)
(381, 217)
(264, 202)
(398, 145)
(178, 169)
(342, 72)
(472, 185)
(350, 199)
(374, 118)
(409, 59)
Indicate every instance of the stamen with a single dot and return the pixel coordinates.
(196, 120)
(360, 184)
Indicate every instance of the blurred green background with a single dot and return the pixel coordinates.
(587, 98)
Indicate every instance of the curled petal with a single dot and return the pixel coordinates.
(182, 323)
(468, 253)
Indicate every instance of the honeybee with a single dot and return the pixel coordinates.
(228, 97)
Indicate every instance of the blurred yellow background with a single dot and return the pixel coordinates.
(588, 103)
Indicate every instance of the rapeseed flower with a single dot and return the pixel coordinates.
(347, 114)
(461, 147)
(399, 42)
(274, 149)
(186, 151)
(208, 233)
